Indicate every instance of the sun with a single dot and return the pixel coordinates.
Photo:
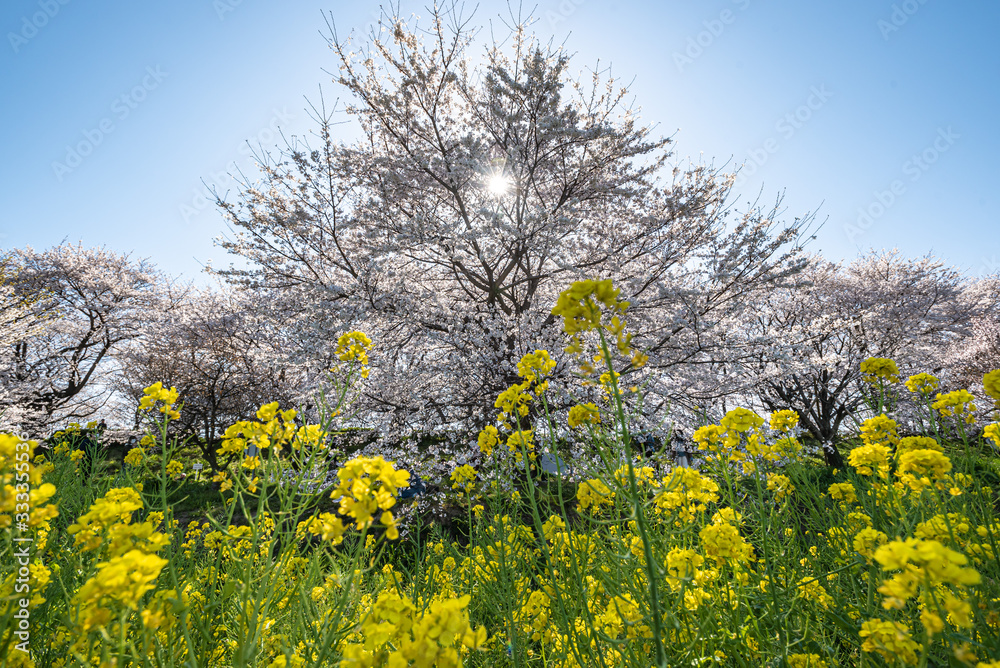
(498, 184)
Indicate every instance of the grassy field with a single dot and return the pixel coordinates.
(762, 556)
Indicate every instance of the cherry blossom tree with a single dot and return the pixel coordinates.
(970, 358)
(220, 355)
(19, 321)
(481, 186)
(809, 341)
(86, 302)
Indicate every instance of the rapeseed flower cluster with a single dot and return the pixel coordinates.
(395, 633)
(515, 404)
(273, 428)
(930, 571)
(806, 661)
(157, 394)
(740, 438)
(784, 420)
(875, 369)
(127, 567)
(488, 439)
(992, 432)
(353, 348)
(464, 478)
(135, 457)
(534, 367)
(582, 414)
(119, 582)
(687, 493)
(843, 492)
(959, 404)
(367, 486)
(521, 442)
(991, 386)
(594, 306)
(580, 308)
(892, 640)
(878, 436)
(723, 542)
(923, 384)
(592, 494)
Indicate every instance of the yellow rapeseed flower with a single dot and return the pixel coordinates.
(709, 437)
(157, 393)
(17, 471)
(583, 414)
(879, 430)
(922, 383)
(991, 385)
(870, 460)
(522, 439)
(843, 492)
(741, 420)
(580, 307)
(121, 581)
(959, 404)
(353, 346)
(920, 468)
(723, 543)
(135, 457)
(533, 367)
(327, 526)
(514, 402)
(592, 494)
(785, 420)
(488, 439)
(367, 485)
(867, 541)
(992, 432)
(926, 570)
(806, 661)
(781, 485)
(891, 640)
(687, 492)
(463, 478)
(910, 443)
(874, 369)
(116, 506)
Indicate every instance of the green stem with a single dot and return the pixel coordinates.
(637, 511)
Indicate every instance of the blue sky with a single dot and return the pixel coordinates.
(880, 115)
